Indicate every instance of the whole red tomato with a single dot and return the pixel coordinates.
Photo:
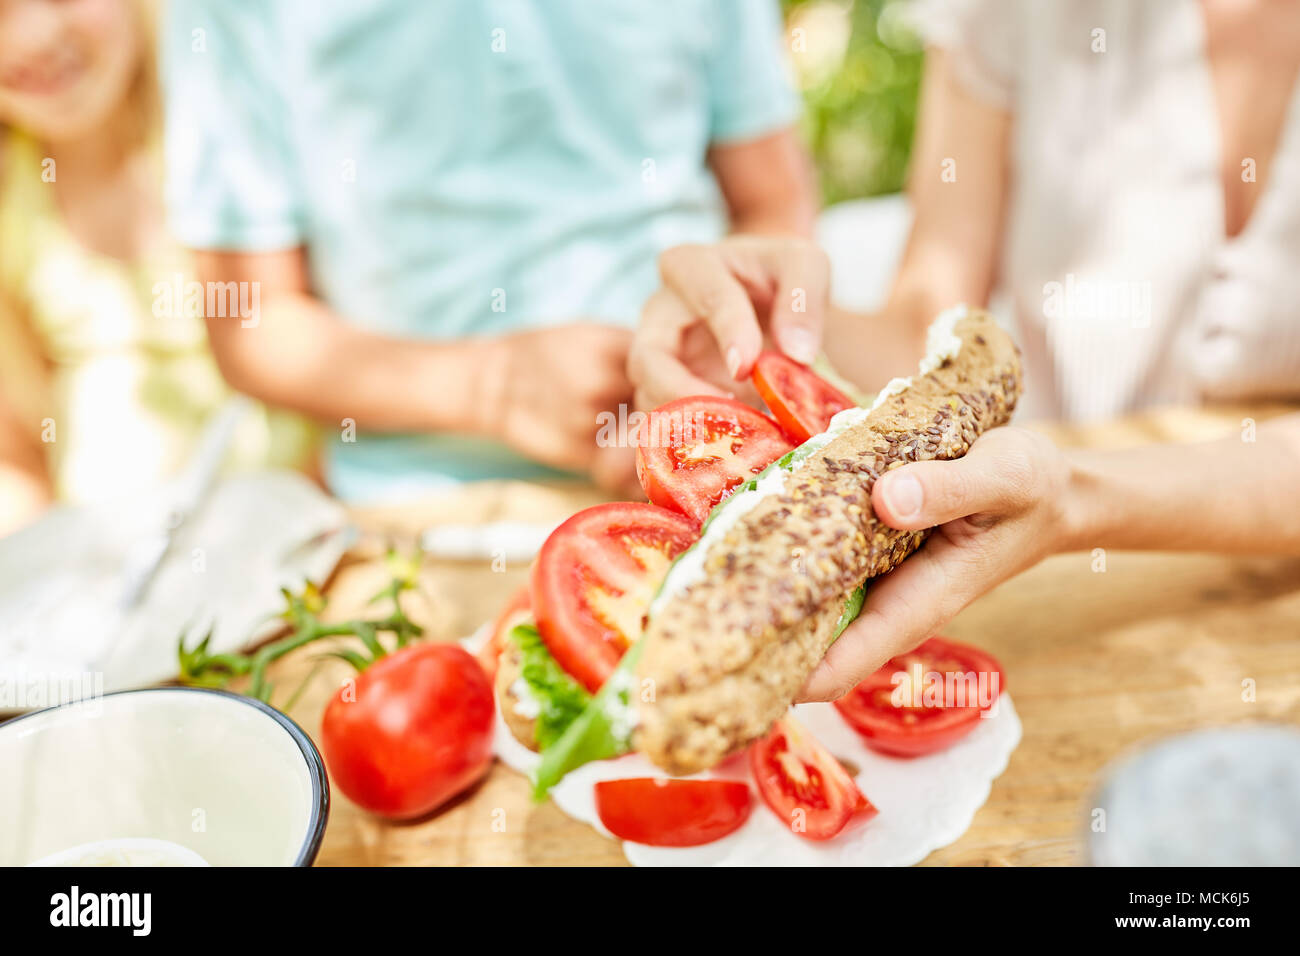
(414, 731)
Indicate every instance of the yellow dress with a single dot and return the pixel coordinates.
(123, 380)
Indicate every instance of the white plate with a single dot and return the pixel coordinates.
(924, 802)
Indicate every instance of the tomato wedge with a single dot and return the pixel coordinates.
(802, 402)
(662, 812)
(517, 610)
(594, 578)
(692, 452)
(903, 711)
(805, 786)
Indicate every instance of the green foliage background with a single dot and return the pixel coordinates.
(860, 116)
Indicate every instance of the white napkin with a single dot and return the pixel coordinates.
(60, 581)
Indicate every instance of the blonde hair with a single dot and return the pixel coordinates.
(24, 368)
(145, 93)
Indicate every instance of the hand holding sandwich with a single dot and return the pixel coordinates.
(999, 510)
(1016, 498)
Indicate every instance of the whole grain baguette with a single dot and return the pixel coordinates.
(724, 659)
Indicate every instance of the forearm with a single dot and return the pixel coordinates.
(956, 187)
(1232, 495)
(871, 348)
(781, 215)
(302, 357)
(768, 185)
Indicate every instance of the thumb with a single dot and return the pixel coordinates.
(994, 476)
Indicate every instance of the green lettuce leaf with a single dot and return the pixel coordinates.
(602, 731)
(561, 698)
(852, 608)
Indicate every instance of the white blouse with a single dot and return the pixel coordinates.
(1124, 290)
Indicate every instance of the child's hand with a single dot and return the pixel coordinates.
(547, 390)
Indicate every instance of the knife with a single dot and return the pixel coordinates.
(146, 556)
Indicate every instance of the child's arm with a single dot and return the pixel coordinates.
(538, 391)
(768, 184)
(295, 353)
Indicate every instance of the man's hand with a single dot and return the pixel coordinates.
(702, 331)
(546, 389)
(999, 510)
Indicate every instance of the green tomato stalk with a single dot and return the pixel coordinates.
(302, 611)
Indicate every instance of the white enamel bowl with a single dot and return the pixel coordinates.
(216, 774)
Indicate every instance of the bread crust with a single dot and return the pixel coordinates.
(510, 668)
(725, 658)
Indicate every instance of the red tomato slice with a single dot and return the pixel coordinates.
(518, 610)
(594, 578)
(805, 786)
(663, 812)
(692, 452)
(917, 715)
(800, 399)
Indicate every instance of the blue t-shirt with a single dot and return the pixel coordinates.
(462, 167)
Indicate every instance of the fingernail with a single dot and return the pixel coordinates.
(733, 361)
(903, 496)
(800, 344)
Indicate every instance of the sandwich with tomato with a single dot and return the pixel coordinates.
(684, 627)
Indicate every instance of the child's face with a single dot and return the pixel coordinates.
(65, 65)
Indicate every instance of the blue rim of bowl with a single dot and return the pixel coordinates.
(320, 788)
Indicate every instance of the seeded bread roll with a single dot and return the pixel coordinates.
(518, 714)
(726, 656)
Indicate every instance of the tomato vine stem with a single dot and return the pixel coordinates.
(302, 612)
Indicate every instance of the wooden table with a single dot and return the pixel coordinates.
(1098, 662)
